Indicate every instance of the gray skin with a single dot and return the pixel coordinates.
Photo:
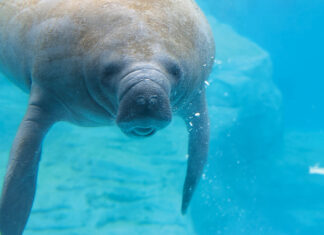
(134, 63)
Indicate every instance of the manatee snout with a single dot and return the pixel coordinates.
(144, 103)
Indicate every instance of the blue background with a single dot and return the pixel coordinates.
(292, 32)
(257, 181)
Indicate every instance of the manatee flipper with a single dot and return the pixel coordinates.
(197, 122)
(20, 180)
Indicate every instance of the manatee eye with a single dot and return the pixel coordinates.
(174, 70)
(112, 69)
(110, 73)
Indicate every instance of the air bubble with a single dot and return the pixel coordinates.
(203, 176)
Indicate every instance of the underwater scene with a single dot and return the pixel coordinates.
(265, 169)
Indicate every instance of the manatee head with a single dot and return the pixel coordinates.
(144, 101)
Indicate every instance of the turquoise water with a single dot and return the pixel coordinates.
(264, 174)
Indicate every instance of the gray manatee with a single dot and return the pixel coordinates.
(100, 62)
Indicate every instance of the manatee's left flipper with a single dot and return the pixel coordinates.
(20, 180)
(197, 121)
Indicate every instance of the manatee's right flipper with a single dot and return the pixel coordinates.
(196, 118)
(20, 180)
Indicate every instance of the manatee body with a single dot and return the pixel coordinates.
(135, 63)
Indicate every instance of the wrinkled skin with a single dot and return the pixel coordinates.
(134, 63)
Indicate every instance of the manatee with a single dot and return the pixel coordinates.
(133, 63)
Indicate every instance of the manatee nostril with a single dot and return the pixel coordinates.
(140, 100)
(153, 100)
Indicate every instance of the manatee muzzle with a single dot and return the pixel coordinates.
(144, 104)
